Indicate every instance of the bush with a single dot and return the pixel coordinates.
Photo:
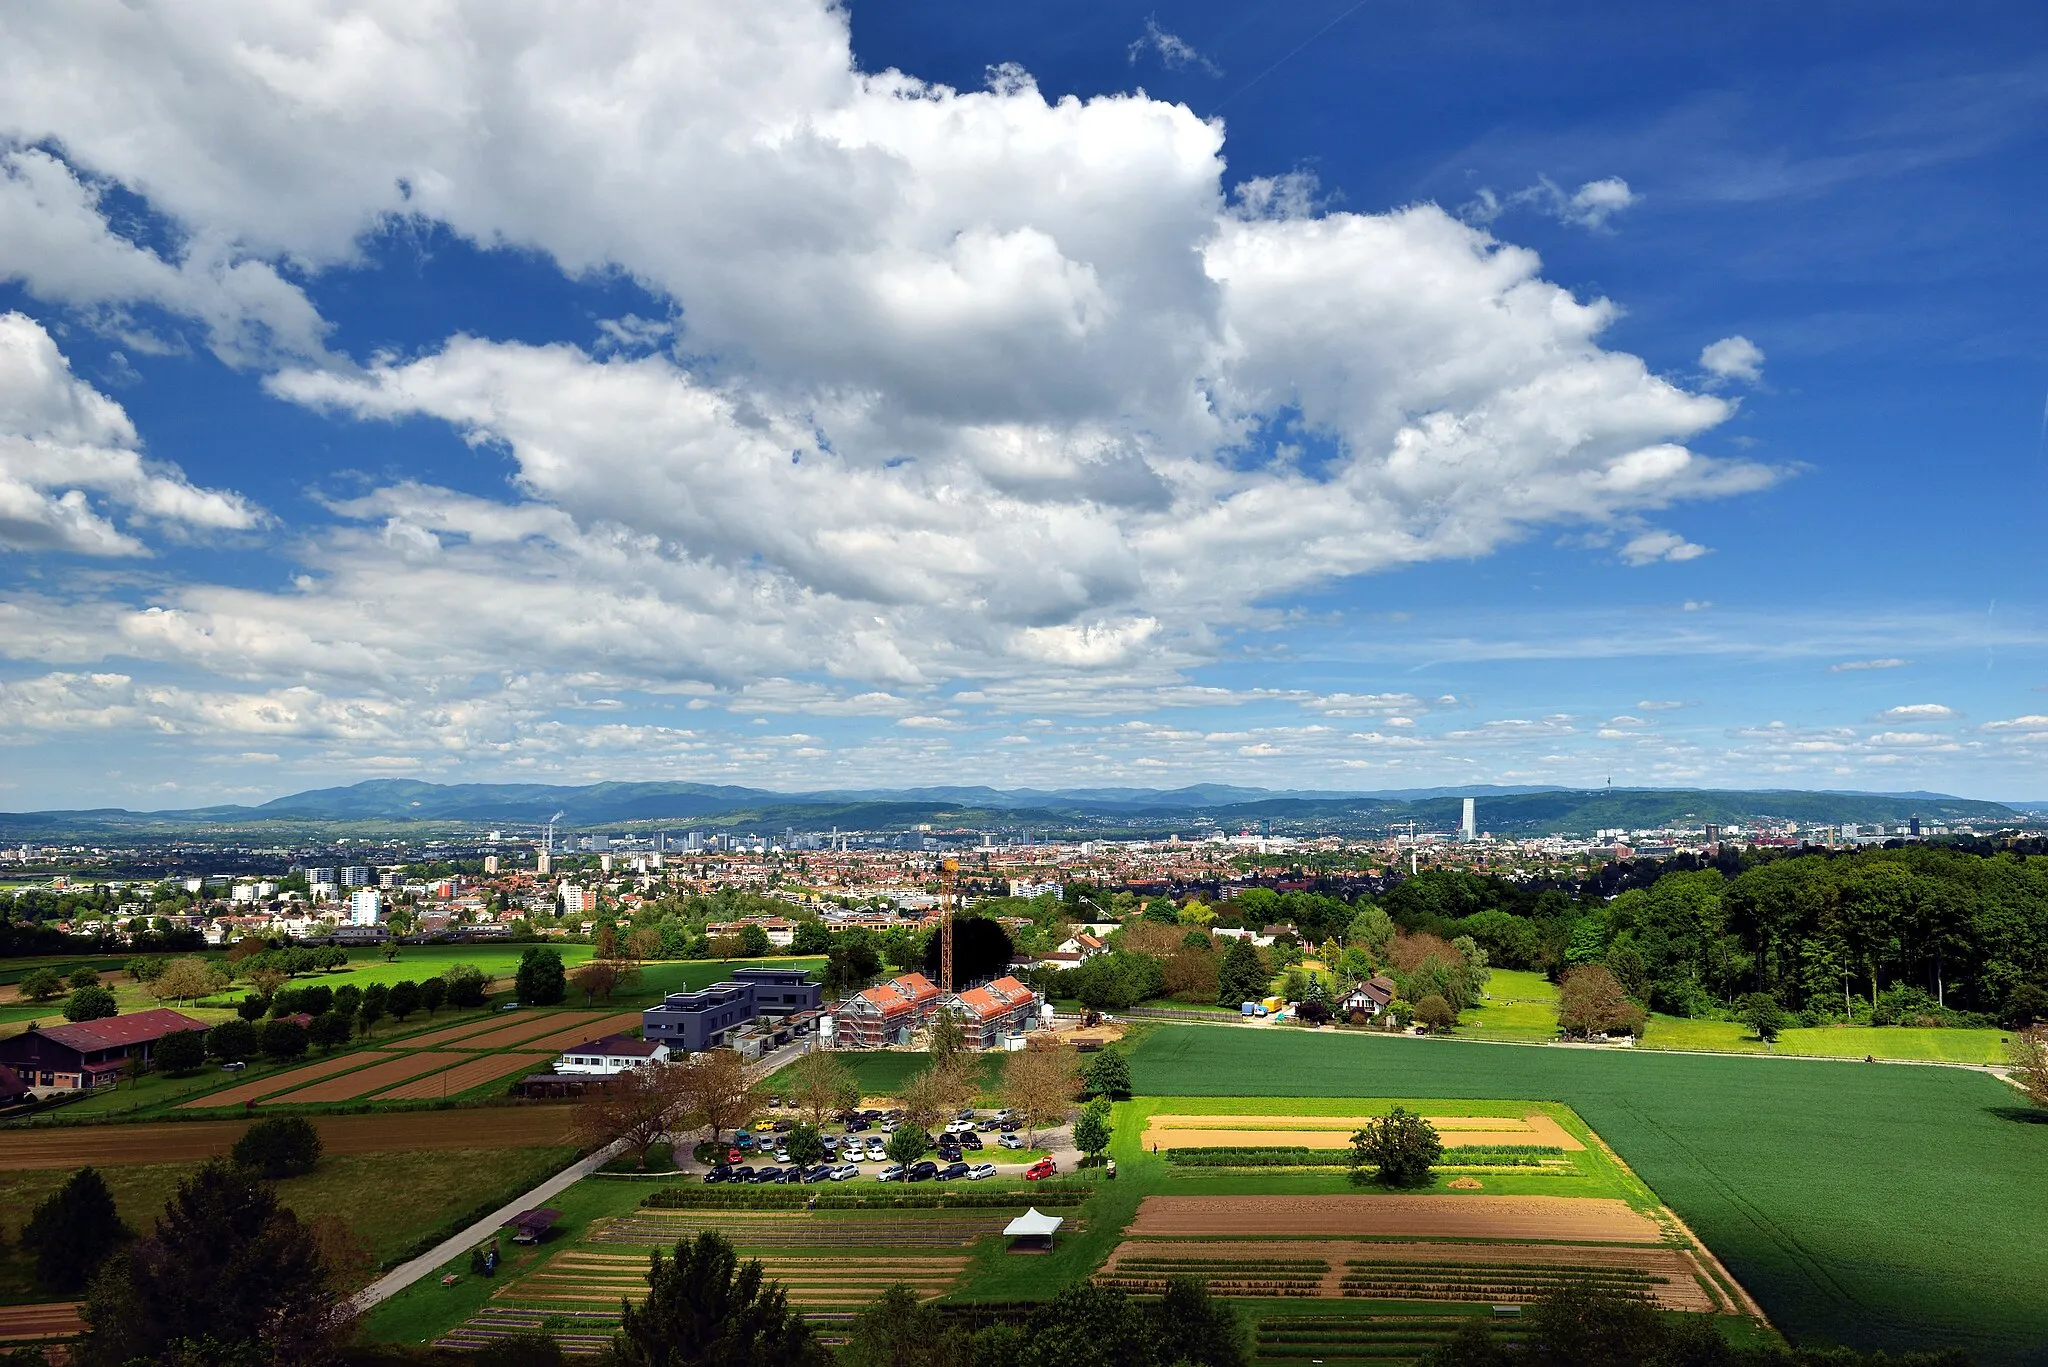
(90, 1004)
(231, 1041)
(330, 1031)
(181, 1052)
(252, 1007)
(44, 984)
(284, 1146)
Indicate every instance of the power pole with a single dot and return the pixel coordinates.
(949, 872)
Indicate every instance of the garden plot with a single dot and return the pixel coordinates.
(805, 1229)
(463, 1076)
(580, 1278)
(280, 1082)
(194, 1141)
(581, 1333)
(1485, 1273)
(1335, 1131)
(24, 1323)
(548, 1023)
(1360, 1339)
(1514, 1218)
(362, 1082)
(582, 1033)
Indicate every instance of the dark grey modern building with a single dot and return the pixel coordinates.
(706, 1018)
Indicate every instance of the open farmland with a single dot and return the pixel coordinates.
(473, 1072)
(193, 1141)
(1858, 1203)
(28, 1323)
(1334, 1132)
(1451, 1217)
(361, 1082)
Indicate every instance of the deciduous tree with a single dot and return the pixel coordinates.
(184, 980)
(279, 1146)
(540, 981)
(1040, 1084)
(716, 1092)
(90, 1004)
(817, 1085)
(1092, 1131)
(231, 1041)
(1400, 1147)
(2028, 1050)
(1591, 1002)
(910, 1142)
(181, 1052)
(636, 1107)
(1109, 1074)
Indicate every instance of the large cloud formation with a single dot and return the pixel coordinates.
(958, 385)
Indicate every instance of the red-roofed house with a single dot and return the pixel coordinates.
(90, 1053)
(13, 1090)
(886, 1013)
(987, 1014)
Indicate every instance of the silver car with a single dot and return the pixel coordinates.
(845, 1172)
(981, 1171)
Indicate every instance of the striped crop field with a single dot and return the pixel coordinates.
(363, 1081)
(805, 1229)
(280, 1082)
(470, 1073)
(1376, 1340)
(577, 1278)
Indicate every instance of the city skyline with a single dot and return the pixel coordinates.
(1332, 398)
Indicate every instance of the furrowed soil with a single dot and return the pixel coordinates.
(1589, 1219)
(1334, 1132)
(282, 1082)
(463, 1076)
(364, 1081)
(193, 1141)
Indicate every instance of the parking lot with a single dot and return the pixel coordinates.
(974, 1145)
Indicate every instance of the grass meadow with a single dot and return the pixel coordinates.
(1861, 1204)
(439, 1188)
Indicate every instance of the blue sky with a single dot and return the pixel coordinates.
(1308, 395)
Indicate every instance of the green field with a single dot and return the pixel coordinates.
(440, 1188)
(1519, 1006)
(1861, 1204)
(882, 1072)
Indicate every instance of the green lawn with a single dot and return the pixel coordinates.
(1723, 1037)
(882, 1072)
(1860, 1204)
(1897, 1041)
(440, 1189)
(1519, 1006)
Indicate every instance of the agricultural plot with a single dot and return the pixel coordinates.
(1357, 1340)
(463, 1076)
(1534, 1130)
(29, 1323)
(805, 1229)
(1517, 1218)
(363, 1081)
(281, 1082)
(196, 1141)
(532, 1027)
(1859, 1203)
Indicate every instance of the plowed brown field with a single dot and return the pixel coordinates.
(366, 1080)
(460, 1030)
(1594, 1220)
(547, 1023)
(1680, 1288)
(565, 1039)
(462, 1077)
(72, 1146)
(56, 1320)
(279, 1082)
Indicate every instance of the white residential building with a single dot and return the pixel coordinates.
(365, 907)
(612, 1054)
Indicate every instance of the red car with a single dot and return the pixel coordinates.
(1041, 1170)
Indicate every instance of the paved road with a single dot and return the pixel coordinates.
(405, 1274)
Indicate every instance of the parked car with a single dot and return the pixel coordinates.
(888, 1127)
(951, 1171)
(981, 1172)
(720, 1173)
(782, 1155)
(821, 1173)
(770, 1174)
(1010, 1141)
(845, 1172)
(1011, 1126)
(857, 1124)
(990, 1125)
(1041, 1170)
(923, 1172)
(876, 1150)
(733, 1155)
(966, 1113)
(784, 1125)
(970, 1140)
(892, 1173)
(960, 1127)
(740, 1174)
(234, 1067)
(1006, 1113)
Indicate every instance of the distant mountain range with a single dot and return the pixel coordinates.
(410, 804)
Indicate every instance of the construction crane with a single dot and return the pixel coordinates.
(949, 892)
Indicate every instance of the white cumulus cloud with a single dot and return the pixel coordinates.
(1733, 358)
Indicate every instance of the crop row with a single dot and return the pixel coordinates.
(1561, 1271)
(1518, 1156)
(1226, 1264)
(787, 1198)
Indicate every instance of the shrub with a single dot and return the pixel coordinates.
(1435, 1014)
(72, 1232)
(252, 1007)
(330, 1031)
(283, 1146)
(44, 984)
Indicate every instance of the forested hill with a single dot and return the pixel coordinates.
(1099, 812)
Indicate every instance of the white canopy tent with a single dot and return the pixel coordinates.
(1034, 1228)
